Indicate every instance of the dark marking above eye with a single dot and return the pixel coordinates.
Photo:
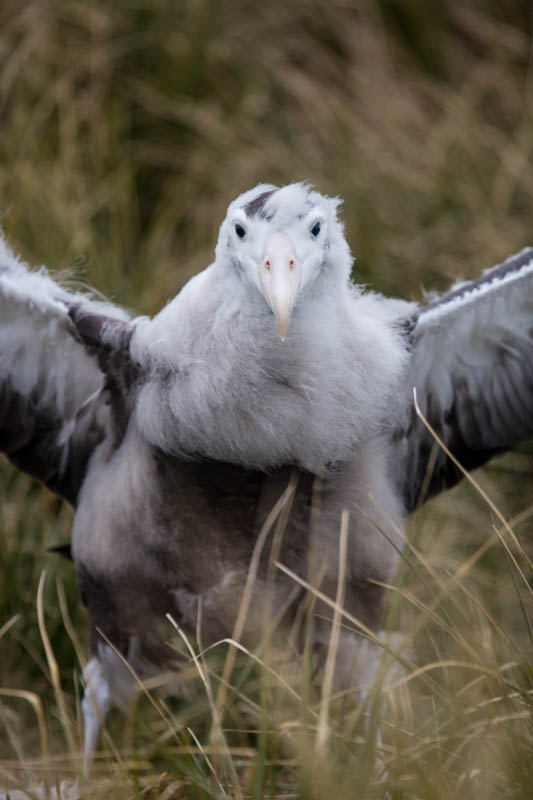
(315, 230)
(257, 205)
(239, 230)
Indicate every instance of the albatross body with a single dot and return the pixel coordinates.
(269, 397)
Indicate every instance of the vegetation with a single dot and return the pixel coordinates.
(126, 129)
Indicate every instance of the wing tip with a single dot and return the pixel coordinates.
(514, 268)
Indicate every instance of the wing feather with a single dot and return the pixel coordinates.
(52, 408)
(472, 366)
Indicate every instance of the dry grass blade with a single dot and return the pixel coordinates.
(140, 683)
(248, 590)
(37, 707)
(209, 764)
(67, 622)
(262, 663)
(218, 736)
(357, 623)
(485, 497)
(54, 669)
(329, 671)
(9, 624)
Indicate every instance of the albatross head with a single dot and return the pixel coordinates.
(281, 242)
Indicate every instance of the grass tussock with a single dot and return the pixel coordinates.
(126, 130)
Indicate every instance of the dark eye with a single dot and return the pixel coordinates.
(315, 230)
(239, 230)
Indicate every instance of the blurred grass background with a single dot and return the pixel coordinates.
(125, 130)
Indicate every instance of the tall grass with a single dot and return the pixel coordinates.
(126, 129)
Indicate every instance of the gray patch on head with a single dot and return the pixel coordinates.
(257, 205)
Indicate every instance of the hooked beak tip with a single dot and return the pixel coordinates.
(282, 317)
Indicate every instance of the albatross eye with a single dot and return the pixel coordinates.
(239, 230)
(315, 230)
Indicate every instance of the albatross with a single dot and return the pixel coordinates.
(271, 398)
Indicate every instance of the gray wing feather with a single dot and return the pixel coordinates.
(52, 407)
(472, 366)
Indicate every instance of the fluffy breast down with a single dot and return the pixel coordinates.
(235, 392)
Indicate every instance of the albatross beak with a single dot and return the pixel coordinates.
(280, 274)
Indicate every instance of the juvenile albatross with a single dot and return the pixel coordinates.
(175, 437)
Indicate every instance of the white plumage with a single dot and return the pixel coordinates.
(175, 436)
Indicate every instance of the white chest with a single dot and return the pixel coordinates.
(235, 392)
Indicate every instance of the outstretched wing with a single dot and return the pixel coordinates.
(472, 366)
(53, 410)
